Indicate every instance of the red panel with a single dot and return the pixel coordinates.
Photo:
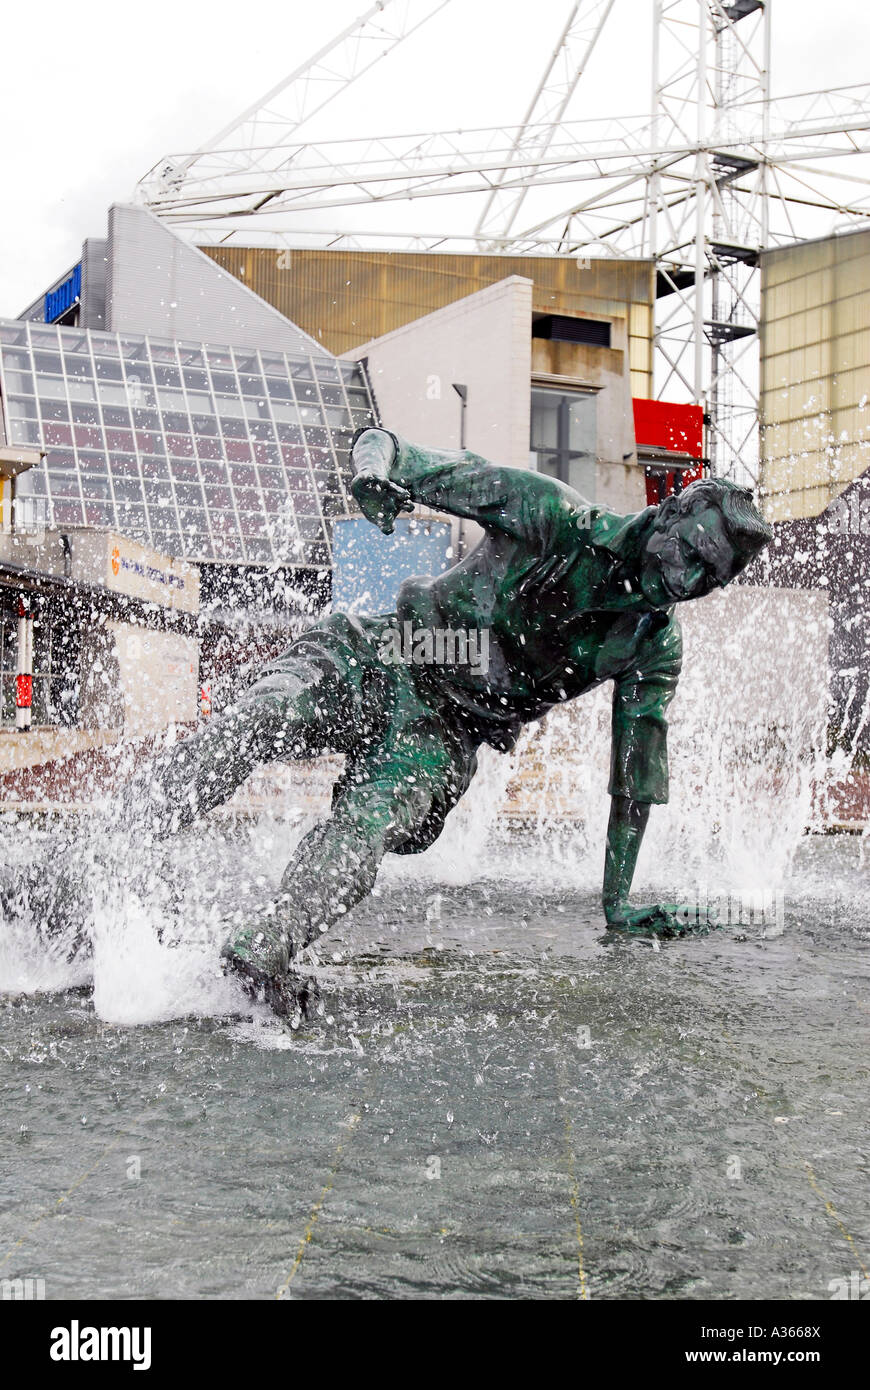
(23, 692)
(666, 425)
(669, 426)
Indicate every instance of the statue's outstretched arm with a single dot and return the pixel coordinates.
(625, 831)
(639, 779)
(391, 475)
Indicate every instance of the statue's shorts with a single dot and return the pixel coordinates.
(409, 754)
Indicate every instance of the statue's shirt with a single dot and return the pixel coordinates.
(550, 585)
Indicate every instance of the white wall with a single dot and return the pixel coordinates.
(483, 342)
(159, 674)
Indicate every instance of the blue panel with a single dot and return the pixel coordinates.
(369, 566)
(64, 297)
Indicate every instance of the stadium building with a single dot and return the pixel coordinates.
(154, 396)
(138, 423)
(201, 403)
(815, 450)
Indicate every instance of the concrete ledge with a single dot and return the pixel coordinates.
(22, 750)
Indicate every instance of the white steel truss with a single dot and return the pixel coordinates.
(259, 136)
(547, 109)
(714, 173)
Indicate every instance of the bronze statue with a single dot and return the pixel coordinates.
(558, 597)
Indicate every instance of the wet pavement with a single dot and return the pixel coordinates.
(496, 1102)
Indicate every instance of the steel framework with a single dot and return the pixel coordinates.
(715, 172)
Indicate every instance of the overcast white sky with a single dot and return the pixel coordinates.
(95, 92)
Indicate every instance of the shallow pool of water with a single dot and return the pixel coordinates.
(496, 1102)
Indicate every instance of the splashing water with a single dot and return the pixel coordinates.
(748, 771)
(142, 973)
(748, 776)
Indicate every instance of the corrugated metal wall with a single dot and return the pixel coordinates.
(815, 372)
(95, 269)
(345, 298)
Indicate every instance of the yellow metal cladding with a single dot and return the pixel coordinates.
(815, 372)
(345, 298)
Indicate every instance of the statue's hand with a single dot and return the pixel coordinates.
(380, 500)
(659, 919)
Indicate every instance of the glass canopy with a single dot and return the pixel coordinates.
(203, 452)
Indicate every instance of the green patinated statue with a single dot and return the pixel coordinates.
(558, 597)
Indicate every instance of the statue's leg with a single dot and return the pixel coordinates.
(298, 711)
(300, 708)
(395, 800)
(326, 693)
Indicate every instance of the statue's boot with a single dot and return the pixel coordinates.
(260, 957)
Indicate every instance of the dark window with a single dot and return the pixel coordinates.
(562, 329)
(563, 441)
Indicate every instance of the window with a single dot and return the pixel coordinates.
(561, 328)
(564, 437)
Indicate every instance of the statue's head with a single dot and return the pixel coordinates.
(700, 539)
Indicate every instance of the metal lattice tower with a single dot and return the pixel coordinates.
(714, 172)
(711, 67)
